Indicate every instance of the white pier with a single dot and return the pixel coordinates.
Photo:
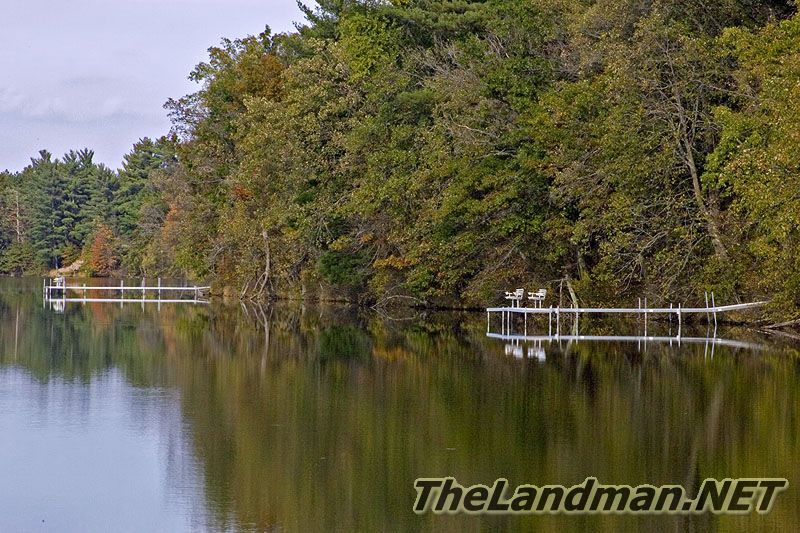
(554, 314)
(533, 347)
(639, 339)
(57, 290)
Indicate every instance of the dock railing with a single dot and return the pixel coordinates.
(59, 290)
(711, 310)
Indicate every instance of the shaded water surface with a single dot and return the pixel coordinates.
(320, 418)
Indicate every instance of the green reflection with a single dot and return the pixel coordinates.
(320, 418)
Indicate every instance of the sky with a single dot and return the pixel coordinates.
(96, 73)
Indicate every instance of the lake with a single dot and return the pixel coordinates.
(319, 418)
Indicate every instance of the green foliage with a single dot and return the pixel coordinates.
(370, 44)
(344, 343)
(17, 259)
(51, 209)
(757, 158)
(341, 268)
(136, 183)
(449, 150)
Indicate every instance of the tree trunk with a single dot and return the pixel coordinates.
(267, 263)
(711, 223)
(572, 294)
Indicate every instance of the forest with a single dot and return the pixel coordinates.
(439, 152)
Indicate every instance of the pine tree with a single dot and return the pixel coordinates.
(135, 182)
(50, 210)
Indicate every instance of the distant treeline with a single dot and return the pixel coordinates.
(59, 211)
(443, 151)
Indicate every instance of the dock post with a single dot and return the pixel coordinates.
(558, 321)
(525, 316)
(488, 329)
(714, 310)
(84, 291)
(159, 290)
(708, 317)
(122, 289)
(680, 321)
(645, 316)
(142, 287)
(550, 322)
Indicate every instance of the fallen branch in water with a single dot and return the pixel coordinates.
(383, 302)
(795, 322)
(780, 333)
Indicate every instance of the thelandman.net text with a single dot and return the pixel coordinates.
(727, 496)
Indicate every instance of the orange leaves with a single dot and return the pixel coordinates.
(104, 257)
(240, 192)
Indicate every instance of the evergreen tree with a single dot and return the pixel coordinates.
(50, 209)
(136, 182)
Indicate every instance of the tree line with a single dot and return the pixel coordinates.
(442, 151)
(56, 212)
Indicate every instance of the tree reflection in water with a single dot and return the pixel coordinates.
(320, 418)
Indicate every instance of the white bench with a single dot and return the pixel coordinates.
(515, 297)
(538, 297)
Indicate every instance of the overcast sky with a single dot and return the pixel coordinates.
(96, 73)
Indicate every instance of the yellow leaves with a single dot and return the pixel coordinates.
(341, 244)
(392, 353)
(394, 262)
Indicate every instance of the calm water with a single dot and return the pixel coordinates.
(319, 418)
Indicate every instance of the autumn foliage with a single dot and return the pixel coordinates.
(448, 151)
(103, 255)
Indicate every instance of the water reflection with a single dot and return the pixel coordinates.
(533, 347)
(93, 458)
(319, 418)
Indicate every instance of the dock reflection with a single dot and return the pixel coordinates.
(534, 346)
